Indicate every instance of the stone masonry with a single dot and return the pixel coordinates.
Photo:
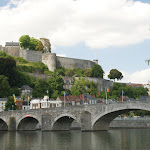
(89, 117)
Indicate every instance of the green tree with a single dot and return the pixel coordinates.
(115, 74)
(33, 43)
(5, 89)
(24, 41)
(7, 68)
(40, 88)
(82, 86)
(10, 104)
(55, 83)
(61, 71)
(97, 71)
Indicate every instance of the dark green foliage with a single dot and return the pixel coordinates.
(10, 104)
(5, 89)
(33, 43)
(7, 68)
(129, 91)
(97, 71)
(115, 74)
(16, 91)
(40, 88)
(61, 71)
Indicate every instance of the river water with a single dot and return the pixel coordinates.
(124, 139)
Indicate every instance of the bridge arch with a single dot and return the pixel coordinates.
(28, 122)
(63, 122)
(3, 125)
(103, 119)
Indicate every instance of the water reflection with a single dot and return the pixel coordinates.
(127, 139)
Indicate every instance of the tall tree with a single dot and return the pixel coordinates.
(40, 88)
(82, 86)
(97, 71)
(5, 89)
(10, 104)
(115, 74)
(33, 43)
(24, 41)
(56, 83)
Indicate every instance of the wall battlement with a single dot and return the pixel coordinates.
(49, 59)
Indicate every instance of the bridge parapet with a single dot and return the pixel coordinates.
(90, 117)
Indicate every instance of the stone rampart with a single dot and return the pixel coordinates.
(73, 63)
(50, 59)
(30, 55)
(12, 50)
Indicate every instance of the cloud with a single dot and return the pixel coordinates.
(141, 76)
(97, 23)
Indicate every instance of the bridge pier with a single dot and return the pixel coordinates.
(12, 124)
(86, 121)
(46, 123)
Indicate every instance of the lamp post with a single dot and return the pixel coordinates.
(47, 99)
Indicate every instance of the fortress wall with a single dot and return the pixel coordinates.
(103, 84)
(12, 50)
(49, 59)
(72, 62)
(30, 55)
(1, 48)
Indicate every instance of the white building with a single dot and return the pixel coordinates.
(2, 104)
(44, 103)
(35, 104)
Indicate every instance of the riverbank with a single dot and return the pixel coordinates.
(137, 122)
(141, 122)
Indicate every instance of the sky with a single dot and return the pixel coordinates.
(116, 32)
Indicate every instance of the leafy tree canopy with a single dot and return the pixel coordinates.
(33, 43)
(5, 89)
(30, 43)
(55, 83)
(40, 88)
(24, 41)
(82, 86)
(10, 104)
(115, 74)
(97, 71)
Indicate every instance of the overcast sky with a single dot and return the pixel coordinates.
(116, 32)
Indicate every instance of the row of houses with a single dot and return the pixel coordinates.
(47, 102)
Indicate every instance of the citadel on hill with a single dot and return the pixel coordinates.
(53, 62)
(49, 59)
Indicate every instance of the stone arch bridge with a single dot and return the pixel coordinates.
(90, 117)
